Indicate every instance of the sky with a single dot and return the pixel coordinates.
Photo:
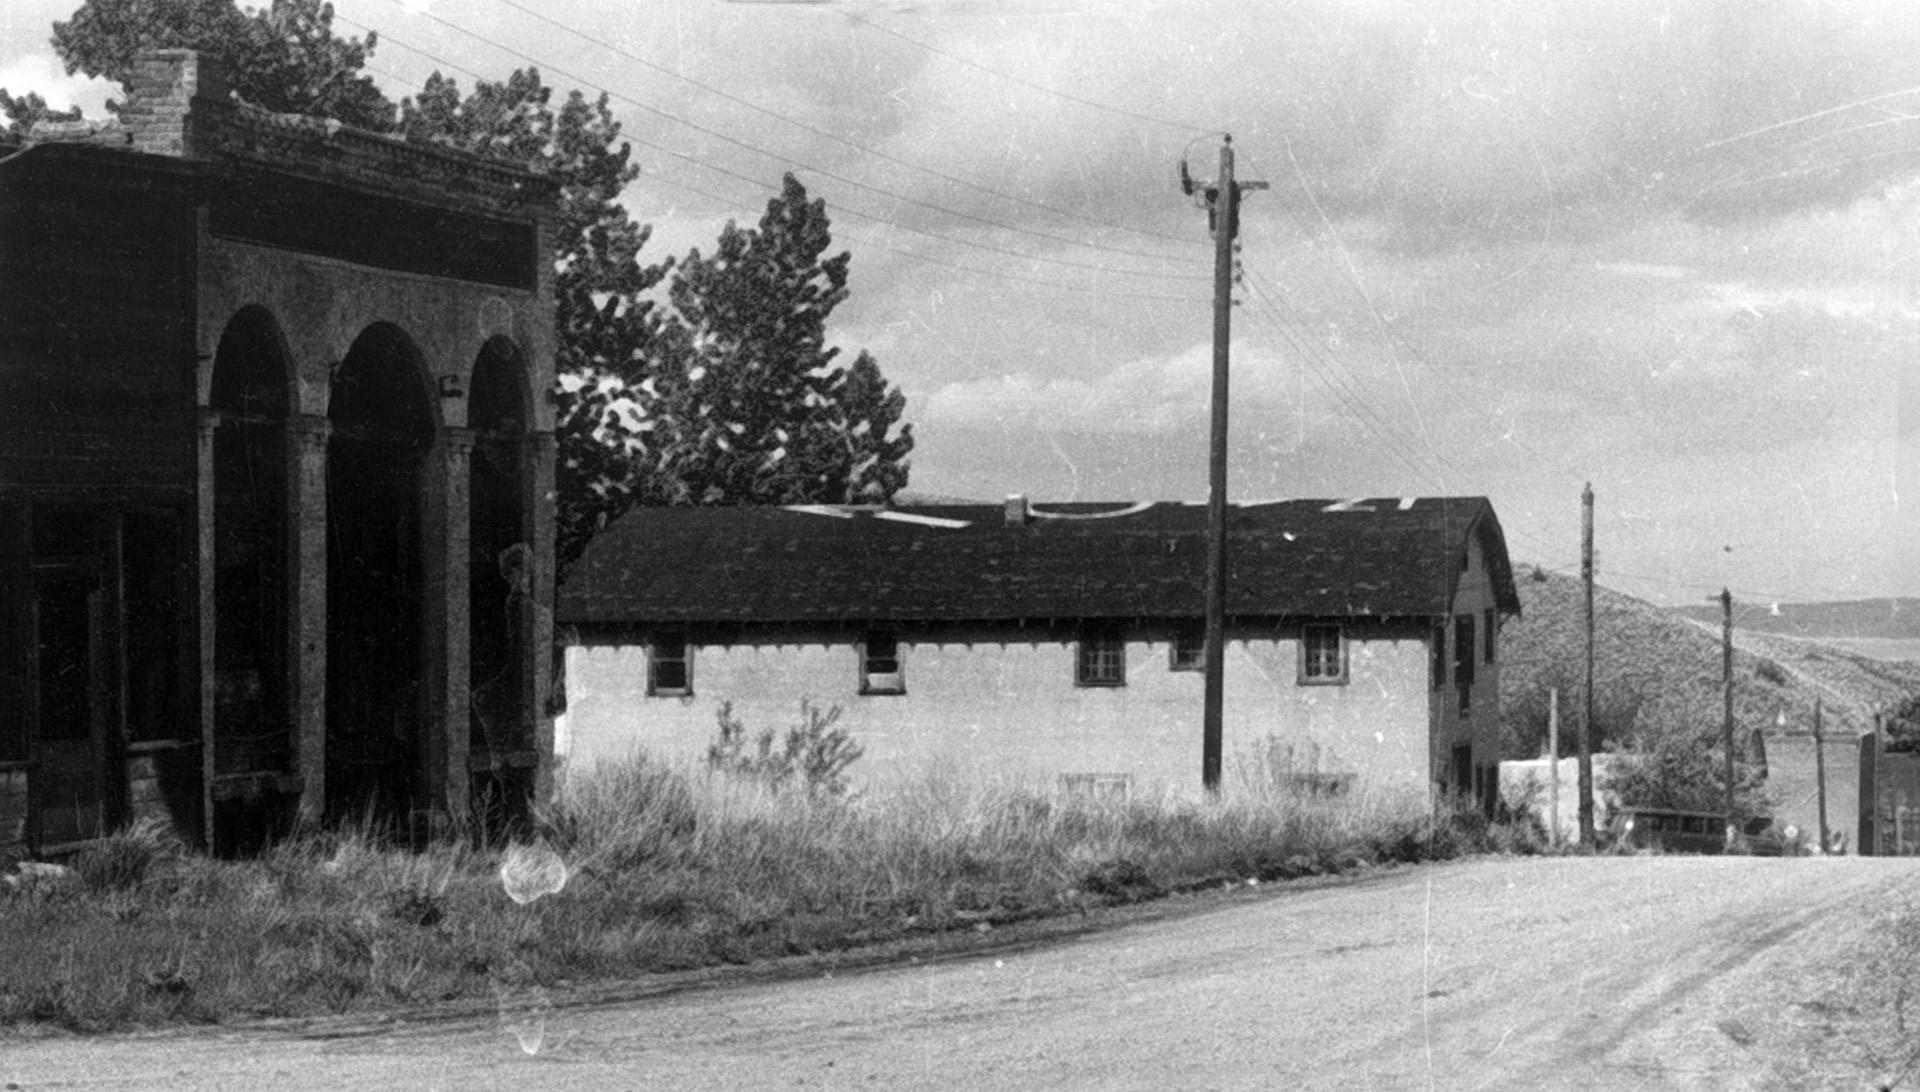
(1506, 249)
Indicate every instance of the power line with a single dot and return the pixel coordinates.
(1056, 92)
(757, 150)
(864, 149)
(845, 209)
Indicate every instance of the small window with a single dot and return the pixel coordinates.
(1439, 657)
(669, 666)
(880, 664)
(1465, 646)
(1489, 621)
(1323, 655)
(1102, 660)
(1189, 652)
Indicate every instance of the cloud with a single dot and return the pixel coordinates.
(43, 74)
(1147, 398)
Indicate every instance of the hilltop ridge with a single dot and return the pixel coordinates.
(1657, 671)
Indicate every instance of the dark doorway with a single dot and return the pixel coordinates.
(73, 653)
(252, 716)
(251, 730)
(376, 644)
(500, 607)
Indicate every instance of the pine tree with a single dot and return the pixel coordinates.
(755, 390)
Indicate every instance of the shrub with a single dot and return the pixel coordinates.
(813, 749)
(123, 860)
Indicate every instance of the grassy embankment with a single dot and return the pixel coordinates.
(665, 870)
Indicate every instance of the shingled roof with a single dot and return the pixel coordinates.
(1390, 557)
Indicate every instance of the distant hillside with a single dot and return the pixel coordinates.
(1897, 619)
(1657, 670)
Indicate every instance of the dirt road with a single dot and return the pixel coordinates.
(1621, 973)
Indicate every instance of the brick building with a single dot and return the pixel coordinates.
(273, 421)
(1059, 643)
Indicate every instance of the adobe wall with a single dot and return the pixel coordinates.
(1009, 708)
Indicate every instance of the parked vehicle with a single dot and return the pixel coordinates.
(1672, 830)
(1760, 838)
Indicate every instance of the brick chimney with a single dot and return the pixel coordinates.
(158, 114)
(1016, 508)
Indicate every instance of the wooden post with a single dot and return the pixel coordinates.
(1223, 211)
(1226, 223)
(1553, 768)
(1820, 773)
(1726, 692)
(1587, 837)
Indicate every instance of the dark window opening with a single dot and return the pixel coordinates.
(1101, 659)
(1322, 655)
(1189, 652)
(63, 613)
(669, 672)
(158, 629)
(1464, 646)
(880, 664)
(15, 636)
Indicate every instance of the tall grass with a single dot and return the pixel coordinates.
(664, 868)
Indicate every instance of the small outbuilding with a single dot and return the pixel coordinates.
(1063, 642)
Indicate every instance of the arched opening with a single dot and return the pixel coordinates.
(500, 607)
(252, 735)
(383, 424)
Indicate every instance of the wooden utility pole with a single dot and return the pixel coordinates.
(1726, 692)
(1587, 837)
(1553, 768)
(1222, 201)
(1820, 773)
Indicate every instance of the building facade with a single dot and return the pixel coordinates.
(276, 466)
(1061, 645)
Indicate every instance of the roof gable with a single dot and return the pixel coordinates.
(1392, 557)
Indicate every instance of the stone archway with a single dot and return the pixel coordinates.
(378, 653)
(500, 606)
(252, 729)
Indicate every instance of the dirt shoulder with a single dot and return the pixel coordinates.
(1526, 973)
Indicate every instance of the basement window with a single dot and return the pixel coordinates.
(1102, 659)
(1113, 787)
(880, 664)
(669, 666)
(1323, 656)
(1189, 651)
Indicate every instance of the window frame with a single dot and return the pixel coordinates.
(1095, 641)
(655, 660)
(1187, 651)
(882, 683)
(1307, 675)
(1466, 645)
(1437, 665)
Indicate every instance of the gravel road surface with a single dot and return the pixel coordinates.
(1612, 973)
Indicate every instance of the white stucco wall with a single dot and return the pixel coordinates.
(999, 706)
